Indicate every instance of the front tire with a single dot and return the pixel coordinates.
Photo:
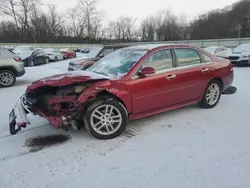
(31, 63)
(212, 94)
(106, 118)
(7, 78)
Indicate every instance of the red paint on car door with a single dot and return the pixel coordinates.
(193, 74)
(192, 82)
(154, 91)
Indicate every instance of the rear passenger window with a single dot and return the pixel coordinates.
(206, 59)
(160, 60)
(187, 57)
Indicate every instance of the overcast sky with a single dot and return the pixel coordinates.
(143, 8)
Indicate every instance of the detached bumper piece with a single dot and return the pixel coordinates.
(18, 117)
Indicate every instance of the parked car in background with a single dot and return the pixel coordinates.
(219, 51)
(38, 57)
(11, 67)
(94, 55)
(10, 48)
(68, 53)
(77, 50)
(53, 54)
(82, 50)
(24, 51)
(240, 55)
(85, 50)
(128, 84)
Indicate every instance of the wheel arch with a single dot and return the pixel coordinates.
(219, 80)
(105, 93)
(9, 68)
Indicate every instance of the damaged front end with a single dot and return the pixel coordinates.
(57, 100)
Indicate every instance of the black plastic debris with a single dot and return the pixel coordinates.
(229, 91)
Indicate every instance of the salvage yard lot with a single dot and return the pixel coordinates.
(189, 147)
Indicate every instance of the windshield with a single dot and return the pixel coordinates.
(211, 49)
(48, 50)
(94, 52)
(118, 63)
(242, 48)
(22, 48)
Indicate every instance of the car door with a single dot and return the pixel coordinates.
(158, 90)
(40, 57)
(193, 73)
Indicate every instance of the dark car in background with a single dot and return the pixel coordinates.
(94, 55)
(37, 57)
(82, 50)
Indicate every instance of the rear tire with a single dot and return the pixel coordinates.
(7, 78)
(56, 59)
(212, 94)
(106, 118)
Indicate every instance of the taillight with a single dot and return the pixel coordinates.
(17, 59)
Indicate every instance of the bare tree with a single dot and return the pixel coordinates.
(8, 8)
(92, 16)
(25, 8)
(54, 21)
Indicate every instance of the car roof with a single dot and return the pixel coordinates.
(153, 46)
(25, 46)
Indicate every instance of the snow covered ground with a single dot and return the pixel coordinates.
(186, 148)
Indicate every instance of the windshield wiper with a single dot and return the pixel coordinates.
(100, 73)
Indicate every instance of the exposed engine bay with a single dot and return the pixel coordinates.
(58, 104)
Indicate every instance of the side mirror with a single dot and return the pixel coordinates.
(146, 71)
(101, 55)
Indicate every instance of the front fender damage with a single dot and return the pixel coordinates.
(92, 92)
(62, 106)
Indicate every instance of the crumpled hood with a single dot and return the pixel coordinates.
(67, 79)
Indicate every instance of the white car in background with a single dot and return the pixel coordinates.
(24, 51)
(219, 51)
(240, 55)
(53, 54)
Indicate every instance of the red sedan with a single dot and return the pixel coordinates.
(127, 84)
(68, 53)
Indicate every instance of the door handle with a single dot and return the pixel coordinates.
(171, 77)
(205, 70)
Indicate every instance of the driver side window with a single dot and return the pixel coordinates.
(160, 60)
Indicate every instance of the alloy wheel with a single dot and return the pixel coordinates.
(106, 119)
(6, 79)
(213, 93)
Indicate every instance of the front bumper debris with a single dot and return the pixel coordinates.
(18, 116)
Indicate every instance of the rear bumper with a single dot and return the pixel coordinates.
(21, 73)
(227, 81)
